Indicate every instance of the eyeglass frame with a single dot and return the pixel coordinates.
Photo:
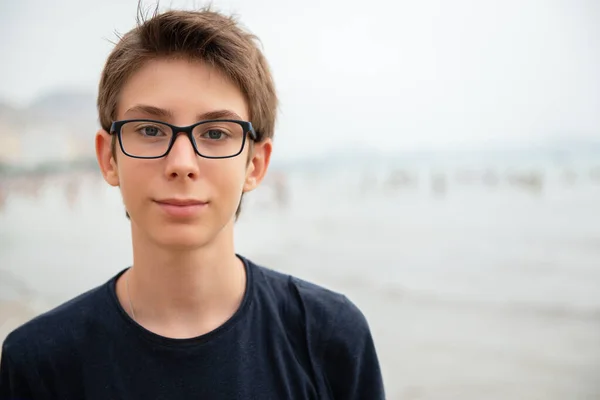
(116, 128)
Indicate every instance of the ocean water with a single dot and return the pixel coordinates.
(477, 282)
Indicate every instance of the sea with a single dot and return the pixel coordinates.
(480, 278)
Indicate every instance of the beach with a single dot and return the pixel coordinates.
(475, 285)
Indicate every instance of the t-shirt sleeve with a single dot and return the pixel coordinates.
(351, 362)
(13, 384)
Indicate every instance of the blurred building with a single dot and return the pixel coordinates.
(56, 129)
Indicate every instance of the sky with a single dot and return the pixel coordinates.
(388, 75)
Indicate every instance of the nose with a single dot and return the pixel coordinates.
(182, 160)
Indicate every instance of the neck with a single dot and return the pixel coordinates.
(184, 293)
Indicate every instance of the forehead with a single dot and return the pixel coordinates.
(185, 88)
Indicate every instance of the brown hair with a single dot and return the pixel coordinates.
(203, 35)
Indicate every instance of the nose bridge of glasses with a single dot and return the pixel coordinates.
(178, 132)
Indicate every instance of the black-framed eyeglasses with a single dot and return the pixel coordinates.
(147, 138)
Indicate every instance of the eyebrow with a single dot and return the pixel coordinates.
(168, 114)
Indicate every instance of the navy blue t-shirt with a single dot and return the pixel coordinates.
(289, 339)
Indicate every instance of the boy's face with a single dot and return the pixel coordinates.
(149, 187)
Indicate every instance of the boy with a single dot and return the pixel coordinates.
(187, 111)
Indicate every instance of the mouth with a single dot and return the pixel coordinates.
(181, 202)
(181, 208)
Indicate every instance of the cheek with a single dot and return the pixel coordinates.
(133, 180)
(227, 180)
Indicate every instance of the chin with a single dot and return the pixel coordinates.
(184, 237)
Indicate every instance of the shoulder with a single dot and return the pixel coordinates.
(285, 287)
(58, 329)
(328, 314)
(335, 332)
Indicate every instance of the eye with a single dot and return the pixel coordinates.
(215, 134)
(218, 132)
(150, 131)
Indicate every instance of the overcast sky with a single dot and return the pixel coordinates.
(393, 74)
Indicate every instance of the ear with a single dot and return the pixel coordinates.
(106, 159)
(258, 164)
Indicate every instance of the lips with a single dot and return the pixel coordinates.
(181, 202)
(181, 208)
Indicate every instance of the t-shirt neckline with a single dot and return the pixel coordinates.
(186, 343)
